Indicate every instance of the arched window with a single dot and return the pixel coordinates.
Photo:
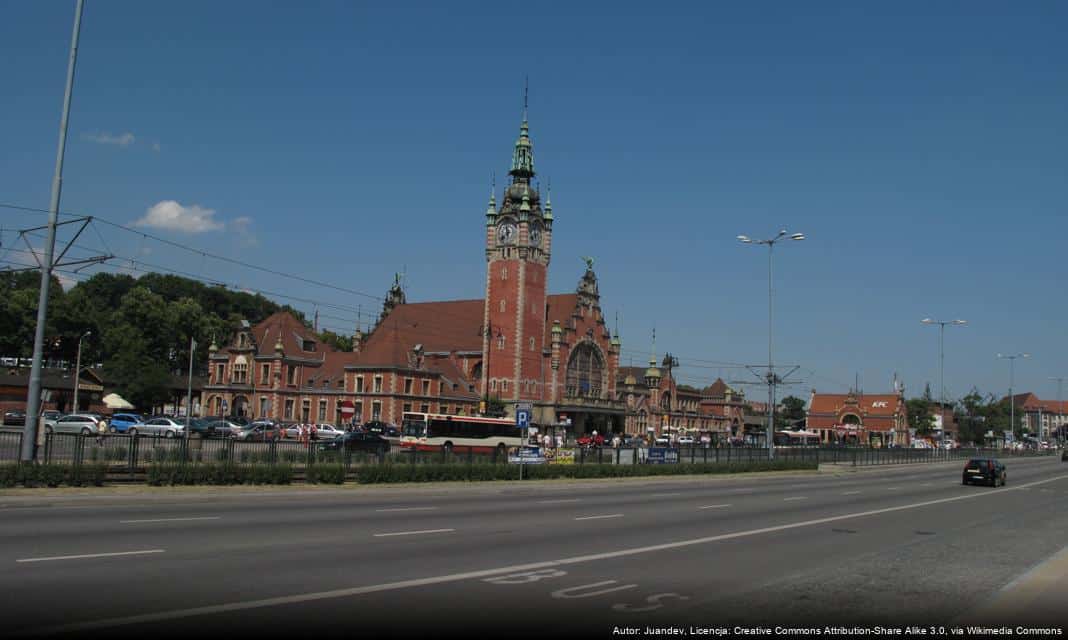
(585, 370)
(502, 306)
(504, 272)
(532, 344)
(500, 342)
(665, 401)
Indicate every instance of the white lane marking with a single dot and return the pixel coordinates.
(850, 493)
(170, 520)
(664, 495)
(795, 498)
(614, 515)
(412, 533)
(91, 555)
(715, 506)
(927, 484)
(406, 509)
(178, 614)
(892, 488)
(560, 501)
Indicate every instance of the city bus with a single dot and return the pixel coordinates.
(437, 432)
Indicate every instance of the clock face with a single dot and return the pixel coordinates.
(535, 235)
(506, 233)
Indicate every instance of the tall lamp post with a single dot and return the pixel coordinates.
(78, 369)
(1012, 373)
(1060, 405)
(771, 367)
(942, 362)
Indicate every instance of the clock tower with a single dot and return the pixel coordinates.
(518, 244)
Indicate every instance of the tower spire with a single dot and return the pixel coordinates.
(523, 155)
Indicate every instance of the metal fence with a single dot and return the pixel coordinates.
(132, 454)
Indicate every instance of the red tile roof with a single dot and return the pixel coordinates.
(874, 405)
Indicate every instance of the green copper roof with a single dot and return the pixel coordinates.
(523, 155)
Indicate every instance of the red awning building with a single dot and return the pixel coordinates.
(859, 418)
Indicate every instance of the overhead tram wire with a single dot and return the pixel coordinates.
(207, 254)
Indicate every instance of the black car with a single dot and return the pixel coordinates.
(986, 470)
(358, 441)
(376, 427)
(15, 417)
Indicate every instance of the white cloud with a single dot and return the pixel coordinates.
(105, 137)
(155, 147)
(169, 214)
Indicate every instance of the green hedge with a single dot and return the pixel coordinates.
(218, 474)
(52, 475)
(325, 473)
(388, 473)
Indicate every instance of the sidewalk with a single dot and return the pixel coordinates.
(1038, 598)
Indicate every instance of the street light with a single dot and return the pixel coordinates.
(1060, 406)
(1012, 373)
(78, 368)
(771, 369)
(942, 362)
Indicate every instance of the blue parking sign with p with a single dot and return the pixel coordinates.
(522, 418)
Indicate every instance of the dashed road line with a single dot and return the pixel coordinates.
(412, 533)
(92, 555)
(170, 520)
(715, 506)
(614, 515)
(795, 498)
(851, 493)
(405, 509)
(560, 501)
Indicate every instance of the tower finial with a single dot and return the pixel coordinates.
(526, 90)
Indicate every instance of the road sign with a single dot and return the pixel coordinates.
(225, 407)
(522, 418)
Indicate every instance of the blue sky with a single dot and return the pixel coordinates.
(921, 149)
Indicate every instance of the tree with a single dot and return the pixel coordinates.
(336, 340)
(793, 410)
(920, 418)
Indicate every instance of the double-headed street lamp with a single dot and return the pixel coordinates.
(1011, 357)
(771, 368)
(78, 368)
(942, 362)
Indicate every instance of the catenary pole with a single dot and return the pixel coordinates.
(33, 398)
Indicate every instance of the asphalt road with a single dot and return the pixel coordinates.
(893, 546)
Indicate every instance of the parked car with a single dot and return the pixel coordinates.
(166, 427)
(50, 416)
(15, 417)
(987, 470)
(358, 441)
(376, 427)
(663, 441)
(120, 422)
(83, 423)
(687, 440)
(225, 427)
(317, 431)
(259, 431)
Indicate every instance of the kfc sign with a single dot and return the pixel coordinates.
(880, 404)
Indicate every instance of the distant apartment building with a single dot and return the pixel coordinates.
(1045, 418)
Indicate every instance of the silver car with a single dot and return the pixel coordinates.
(166, 427)
(84, 424)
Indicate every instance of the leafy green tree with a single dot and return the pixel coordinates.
(793, 409)
(920, 417)
(335, 340)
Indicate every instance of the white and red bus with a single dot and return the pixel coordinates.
(437, 432)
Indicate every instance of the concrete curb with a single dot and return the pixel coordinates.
(1036, 598)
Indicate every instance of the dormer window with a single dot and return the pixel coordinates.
(308, 346)
(242, 340)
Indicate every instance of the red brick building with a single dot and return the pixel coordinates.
(858, 418)
(518, 344)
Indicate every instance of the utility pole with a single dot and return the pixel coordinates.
(33, 398)
(1012, 374)
(942, 363)
(771, 366)
(78, 369)
(1060, 404)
